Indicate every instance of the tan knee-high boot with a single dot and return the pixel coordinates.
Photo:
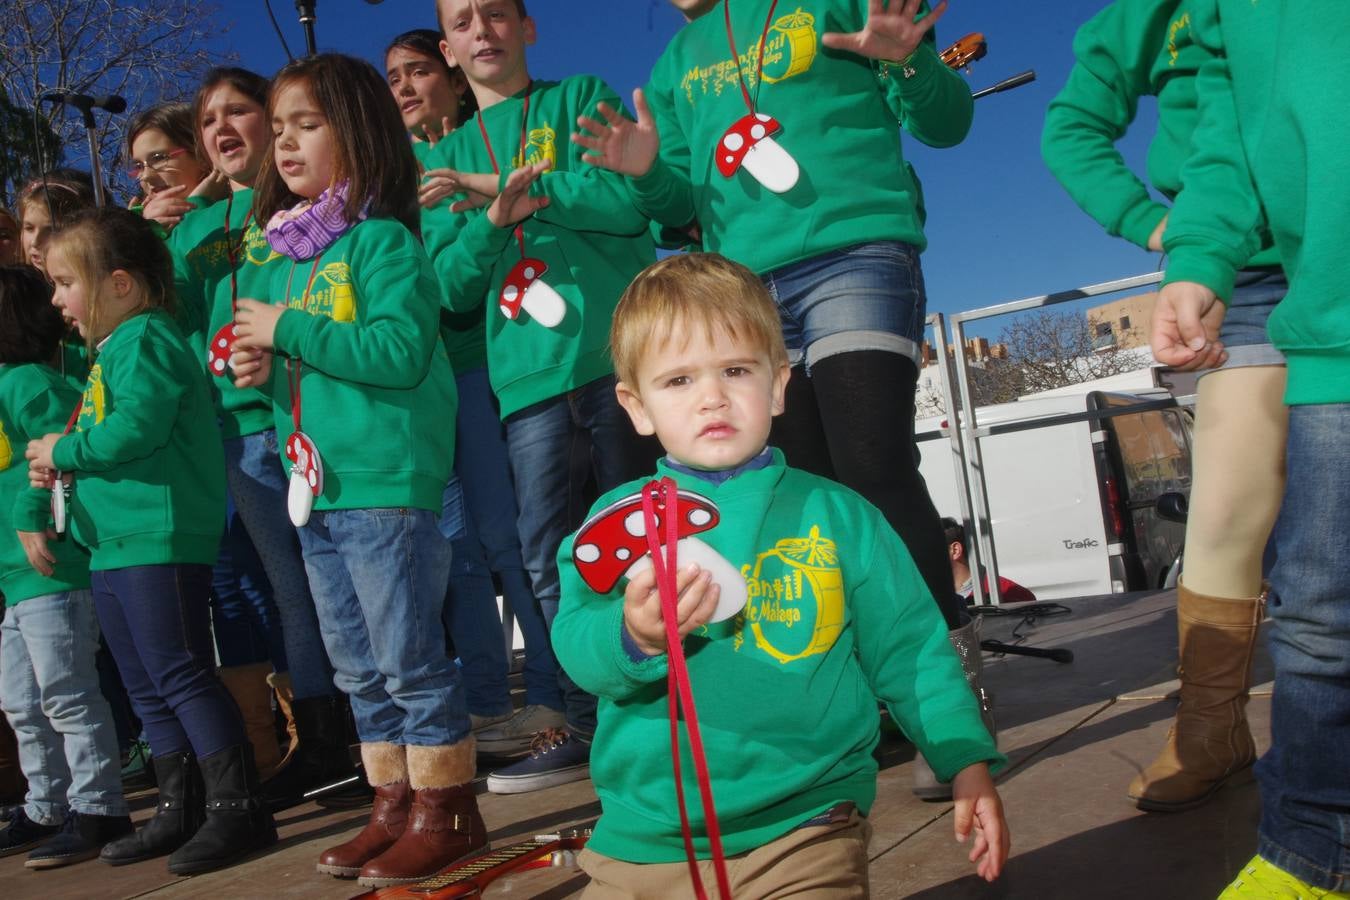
(386, 768)
(248, 686)
(444, 824)
(280, 682)
(1210, 740)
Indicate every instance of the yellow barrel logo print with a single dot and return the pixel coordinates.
(540, 145)
(6, 451)
(791, 46)
(342, 305)
(800, 570)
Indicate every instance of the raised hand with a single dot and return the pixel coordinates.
(432, 136)
(515, 204)
(167, 207)
(618, 143)
(890, 33)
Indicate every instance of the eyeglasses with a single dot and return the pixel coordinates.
(154, 162)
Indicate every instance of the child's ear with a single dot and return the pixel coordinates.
(780, 380)
(527, 30)
(637, 411)
(449, 56)
(122, 282)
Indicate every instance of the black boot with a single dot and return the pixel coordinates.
(322, 757)
(237, 822)
(176, 819)
(82, 837)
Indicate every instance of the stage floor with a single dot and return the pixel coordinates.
(1076, 734)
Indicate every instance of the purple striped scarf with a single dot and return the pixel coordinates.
(306, 230)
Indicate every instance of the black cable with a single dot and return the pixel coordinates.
(277, 27)
(1029, 613)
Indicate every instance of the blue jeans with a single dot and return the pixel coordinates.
(49, 690)
(258, 487)
(554, 446)
(491, 545)
(1243, 332)
(379, 577)
(156, 620)
(865, 297)
(243, 616)
(1305, 776)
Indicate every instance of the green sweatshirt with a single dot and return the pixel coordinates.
(838, 113)
(590, 236)
(1131, 49)
(149, 469)
(201, 247)
(34, 401)
(1272, 133)
(377, 395)
(786, 691)
(464, 334)
(74, 361)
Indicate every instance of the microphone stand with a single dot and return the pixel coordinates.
(95, 164)
(305, 8)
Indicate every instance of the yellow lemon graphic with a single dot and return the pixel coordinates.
(811, 571)
(540, 145)
(91, 409)
(6, 451)
(791, 46)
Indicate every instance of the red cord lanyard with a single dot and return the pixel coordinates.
(736, 56)
(524, 118)
(295, 364)
(678, 690)
(232, 248)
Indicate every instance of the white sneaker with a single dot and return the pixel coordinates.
(512, 737)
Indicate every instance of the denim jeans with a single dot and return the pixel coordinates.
(491, 545)
(156, 620)
(555, 446)
(379, 577)
(258, 488)
(1305, 776)
(865, 297)
(244, 618)
(49, 690)
(1243, 332)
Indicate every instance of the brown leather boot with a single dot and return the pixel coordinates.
(444, 825)
(1210, 740)
(280, 683)
(248, 686)
(386, 768)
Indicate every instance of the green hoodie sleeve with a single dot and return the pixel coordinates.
(1215, 223)
(464, 249)
(1115, 52)
(913, 669)
(934, 104)
(148, 388)
(391, 345)
(583, 197)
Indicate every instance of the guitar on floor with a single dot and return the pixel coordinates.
(471, 877)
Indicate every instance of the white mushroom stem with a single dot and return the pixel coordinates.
(771, 165)
(733, 594)
(545, 305)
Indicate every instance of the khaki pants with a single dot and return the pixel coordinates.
(823, 862)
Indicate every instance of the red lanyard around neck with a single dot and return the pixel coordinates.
(232, 249)
(295, 364)
(736, 56)
(524, 134)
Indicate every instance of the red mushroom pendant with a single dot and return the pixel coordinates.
(306, 477)
(218, 353)
(525, 289)
(749, 144)
(612, 545)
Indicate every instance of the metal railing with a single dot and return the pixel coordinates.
(965, 433)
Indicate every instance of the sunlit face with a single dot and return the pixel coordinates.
(233, 132)
(487, 40)
(11, 247)
(424, 91)
(70, 293)
(36, 231)
(709, 402)
(302, 141)
(162, 164)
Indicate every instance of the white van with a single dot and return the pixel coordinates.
(1072, 485)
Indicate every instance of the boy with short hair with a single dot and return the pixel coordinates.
(837, 617)
(548, 244)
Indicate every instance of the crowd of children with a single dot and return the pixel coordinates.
(366, 346)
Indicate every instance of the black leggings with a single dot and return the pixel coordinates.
(853, 420)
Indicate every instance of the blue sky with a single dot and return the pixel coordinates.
(999, 226)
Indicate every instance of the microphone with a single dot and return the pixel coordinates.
(83, 102)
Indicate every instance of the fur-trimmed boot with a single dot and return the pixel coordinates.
(1210, 740)
(248, 686)
(444, 824)
(176, 819)
(386, 768)
(237, 822)
(966, 642)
